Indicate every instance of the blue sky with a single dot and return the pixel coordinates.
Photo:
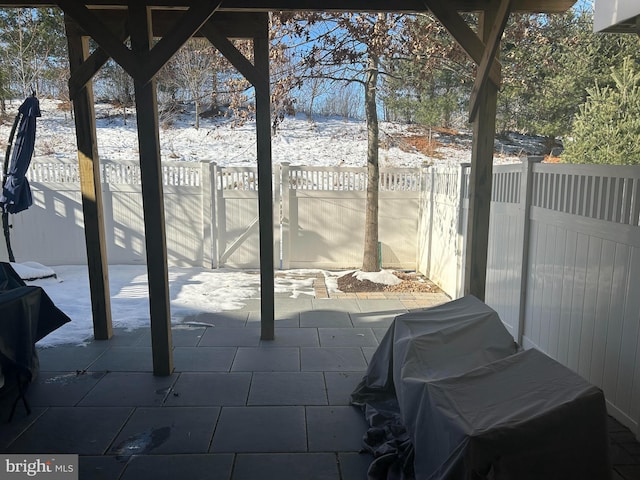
(580, 4)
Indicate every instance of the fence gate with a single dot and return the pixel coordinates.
(236, 209)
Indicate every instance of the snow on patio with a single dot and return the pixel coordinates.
(192, 291)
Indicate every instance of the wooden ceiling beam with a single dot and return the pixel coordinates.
(235, 57)
(189, 23)
(535, 6)
(464, 35)
(85, 71)
(103, 35)
(229, 24)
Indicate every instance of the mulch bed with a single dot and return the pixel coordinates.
(411, 283)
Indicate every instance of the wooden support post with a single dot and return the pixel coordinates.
(265, 189)
(258, 74)
(152, 197)
(480, 180)
(92, 205)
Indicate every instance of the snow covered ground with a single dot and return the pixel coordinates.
(300, 141)
(323, 141)
(192, 290)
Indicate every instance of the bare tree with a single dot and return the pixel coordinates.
(32, 45)
(116, 86)
(349, 48)
(190, 73)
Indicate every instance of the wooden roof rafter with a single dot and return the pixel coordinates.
(141, 67)
(531, 6)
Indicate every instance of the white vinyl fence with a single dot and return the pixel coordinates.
(324, 212)
(212, 216)
(563, 264)
(52, 230)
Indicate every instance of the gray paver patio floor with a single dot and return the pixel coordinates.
(236, 407)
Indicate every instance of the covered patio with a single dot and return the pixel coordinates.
(236, 407)
(261, 392)
(113, 23)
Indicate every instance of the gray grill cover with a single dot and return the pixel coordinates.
(474, 406)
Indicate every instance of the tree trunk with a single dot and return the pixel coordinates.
(549, 144)
(214, 91)
(370, 259)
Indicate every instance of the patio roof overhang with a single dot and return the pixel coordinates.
(616, 16)
(543, 6)
(175, 21)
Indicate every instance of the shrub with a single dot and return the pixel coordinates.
(607, 127)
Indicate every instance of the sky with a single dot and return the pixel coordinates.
(585, 4)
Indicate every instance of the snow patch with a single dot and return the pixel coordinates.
(32, 270)
(384, 277)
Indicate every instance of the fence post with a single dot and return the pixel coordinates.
(277, 214)
(285, 230)
(215, 207)
(432, 200)
(207, 215)
(422, 242)
(526, 184)
(463, 218)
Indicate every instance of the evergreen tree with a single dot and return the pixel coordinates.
(607, 127)
(549, 62)
(430, 80)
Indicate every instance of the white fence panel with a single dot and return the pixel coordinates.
(183, 208)
(212, 215)
(508, 242)
(185, 224)
(238, 230)
(326, 230)
(124, 217)
(398, 229)
(583, 306)
(564, 253)
(425, 213)
(325, 214)
(504, 264)
(51, 231)
(237, 218)
(443, 225)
